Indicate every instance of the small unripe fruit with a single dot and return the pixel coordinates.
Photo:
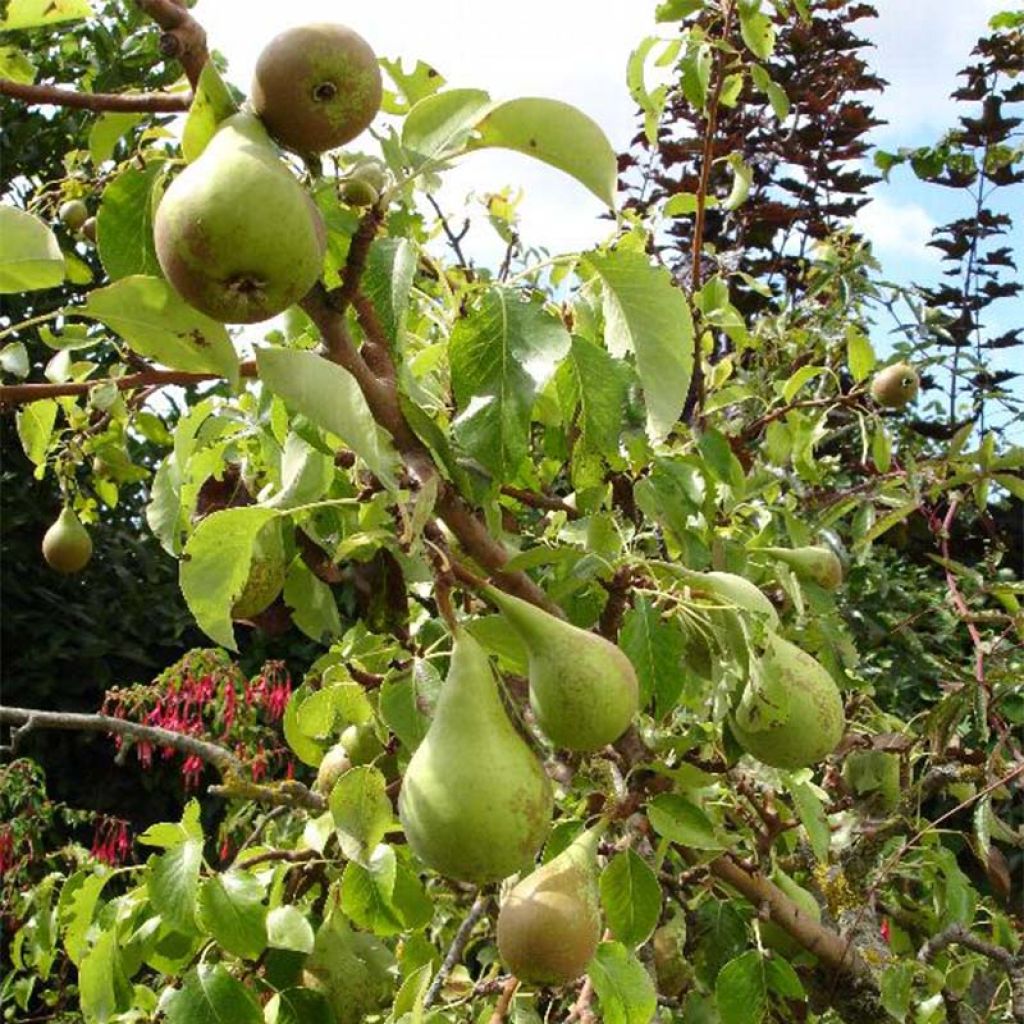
(334, 764)
(372, 171)
(896, 386)
(73, 214)
(89, 229)
(360, 743)
(67, 546)
(356, 192)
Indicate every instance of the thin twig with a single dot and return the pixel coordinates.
(141, 103)
(455, 950)
(504, 1004)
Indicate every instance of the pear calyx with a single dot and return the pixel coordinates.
(583, 688)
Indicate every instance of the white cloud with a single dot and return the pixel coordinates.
(898, 231)
(920, 45)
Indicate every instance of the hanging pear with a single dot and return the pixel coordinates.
(236, 234)
(67, 546)
(583, 689)
(774, 936)
(475, 801)
(817, 563)
(793, 716)
(267, 572)
(896, 386)
(550, 923)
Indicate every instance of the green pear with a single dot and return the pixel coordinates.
(671, 971)
(89, 229)
(874, 777)
(67, 546)
(550, 923)
(236, 234)
(475, 801)
(895, 386)
(267, 572)
(356, 192)
(583, 689)
(316, 87)
(777, 938)
(792, 716)
(818, 563)
(73, 214)
(332, 766)
(361, 743)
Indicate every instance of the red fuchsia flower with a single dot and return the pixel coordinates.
(885, 929)
(192, 770)
(225, 850)
(7, 859)
(111, 840)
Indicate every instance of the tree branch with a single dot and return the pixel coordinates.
(184, 39)
(142, 103)
(20, 394)
(455, 950)
(285, 794)
(504, 1004)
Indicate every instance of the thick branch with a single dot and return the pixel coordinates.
(184, 38)
(141, 103)
(504, 1004)
(455, 950)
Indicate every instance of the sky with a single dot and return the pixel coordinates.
(576, 51)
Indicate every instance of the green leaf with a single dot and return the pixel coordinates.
(782, 979)
(655, 647)
(104, 990)
(211, 104)
(441, 125)
(623, 986)
(500, 354)
(231, 909)
(415, 85)
(215, 566)
(288, 928)
(124, 223)
(680, 821)
(757, 29)
(387, 282)
(737, 590)
(314, 609)
(897, 989)
(557, 134)
(742, 176)
(860, 353)
(593, 381)
(156, 323)
(797, 380)
(31, 13)
(367, 891)
(75, 909)
(741, 990)
(210, 995)
(681, 204)
(30, 258)
(881, 448)
(331, 398)
(812, 816)
(172, 881)
(631, 897)
(674, 10)
(400, 712)
(298, 1006)
(105, 133)
(15, 65)
(14, 360)
(776, 94)
(647, 315)
(361, 811)
(35, 428)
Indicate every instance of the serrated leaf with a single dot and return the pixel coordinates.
(655, 647)
(172, 881)
(231, 909)
(647, 315)
(312, 603)
(30, 257)
(124, 224)
(35, 428)
(624, 988)
(680, 821)
(20, 14)
(557, 134)
(361, 811)
(288, 928)
(75, 910)
(215, 566)
(387, 282)
(210, 995)
(593, 381)
(441, 125)
(631, 898)
(156, 323)
(331, 398)
(500, 354)
(104, 990)
(741, 990)
(757, 29)
(211, 104)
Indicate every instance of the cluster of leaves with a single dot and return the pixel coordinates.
(529, 423)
